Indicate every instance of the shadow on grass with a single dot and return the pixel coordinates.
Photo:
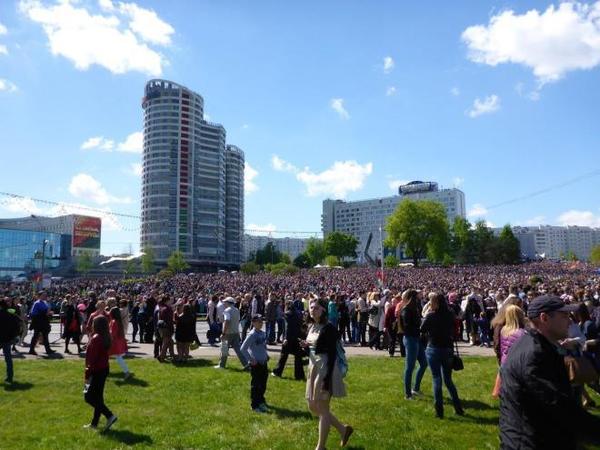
(128, 437)
(132, 381)
(284, 413)
(16, 386)
(193, 363)
(54, 356)
(477, 405)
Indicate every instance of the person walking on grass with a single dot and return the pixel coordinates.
(185, 332)
(291, 345)
(254, 350)
(118, 346)
(96, 371)
(9, 333)
(231, 334)
(165, 327)
(324, 379)
(438, 325)
(410, 318)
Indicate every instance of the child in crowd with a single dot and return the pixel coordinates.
(483, 326)
(254, 349)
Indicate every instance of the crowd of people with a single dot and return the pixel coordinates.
(422, 313)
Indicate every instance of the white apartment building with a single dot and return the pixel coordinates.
(553, 242)
(363, 218)
(292, 246)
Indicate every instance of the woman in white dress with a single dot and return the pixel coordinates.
(324, 378)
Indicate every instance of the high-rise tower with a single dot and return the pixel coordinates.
(185, 178)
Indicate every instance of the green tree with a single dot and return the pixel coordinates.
(249, 268)
(421, 227)
(462, 241)
(285, 258)
(332, 261)
(176, 262)
(267, 255)
(302, 261)
(315, 250)
(595, 255)
(509, 246)
(571, 256)
(130, 267)
(340, 244)
(391, 261)
(148, 261)
(484, 238)
(84, 263)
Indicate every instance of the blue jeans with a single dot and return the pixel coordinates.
(440, 363)
(415, 351)
(6, 349)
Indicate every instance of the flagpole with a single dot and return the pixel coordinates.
(381, 249)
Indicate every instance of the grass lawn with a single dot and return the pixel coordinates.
(196, 406)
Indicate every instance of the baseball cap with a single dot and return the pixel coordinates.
(548, 304)
(228, 300)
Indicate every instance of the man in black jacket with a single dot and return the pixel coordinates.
(9, 330)
(291, 343)
(538, 409)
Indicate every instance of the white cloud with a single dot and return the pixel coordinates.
(390, 91)
(249, 175)
(552, 43)
(20, 205)
(245, 126)
(455, 91)
(388, 64)
(457, 182)
(394, 184)
(3, 50)
(3, 30)
(87, 39)
(147, 24)
(582, 218)
(337, 104)
(136, 169)
(282, 166)
(261, 230)
(106, 5)
(7, 86)
(478, 210)
(134, 143)
(86, 187)
(488, 105)
(337, 181)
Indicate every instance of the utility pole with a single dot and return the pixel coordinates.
(43, 259)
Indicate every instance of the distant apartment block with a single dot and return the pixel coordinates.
(554, 242)
(289, 245)
(363, 218)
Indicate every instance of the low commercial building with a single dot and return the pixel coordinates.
(292, 246)
(555, 242)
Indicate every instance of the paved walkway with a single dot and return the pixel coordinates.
(206, 351)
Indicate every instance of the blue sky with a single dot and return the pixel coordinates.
(327, 99)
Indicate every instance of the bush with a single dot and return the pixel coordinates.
(249, 268)
(332, 260)
(390, 261)
(165, 273)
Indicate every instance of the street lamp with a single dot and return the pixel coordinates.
(46, 242)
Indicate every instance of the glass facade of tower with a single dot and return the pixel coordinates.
(184, 177)
(21, 251)
(234, 203)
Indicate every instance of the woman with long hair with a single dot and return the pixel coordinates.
(324, 378)
(96, 371)
(118, 346)
(498, 322)
(410, 319)
(514, 327)
(439, 328)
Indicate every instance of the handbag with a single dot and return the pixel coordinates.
(580, 370)
(457, 362)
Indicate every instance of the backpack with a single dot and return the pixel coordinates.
(340, 357)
